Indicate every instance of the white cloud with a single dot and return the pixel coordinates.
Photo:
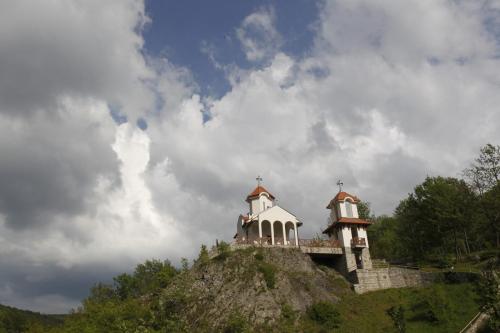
(258, 35)
(381, 101)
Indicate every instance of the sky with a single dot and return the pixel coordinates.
(132, 129)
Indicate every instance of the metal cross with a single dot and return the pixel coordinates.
(258, 179)
(340, 184)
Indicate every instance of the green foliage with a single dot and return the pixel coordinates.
(432, 306)
(15, 320)
(489, 297)
(259, 256)
(437, 218)
(397, 314)
(184, 264)
(384, 239)
(237, 323)
(224, 250)
(364, 211)
(325, 314)
(203, 257)
(147, 278)
(484, 173)
(269, 272)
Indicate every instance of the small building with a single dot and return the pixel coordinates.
(349, 231)
(266, 223)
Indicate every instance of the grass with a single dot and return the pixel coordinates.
(369, 312)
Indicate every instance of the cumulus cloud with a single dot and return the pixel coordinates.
(258, 35)
(388, 94)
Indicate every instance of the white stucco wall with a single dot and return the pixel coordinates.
(345, 236)
(260, 204)
(343, 209)
(362, 234)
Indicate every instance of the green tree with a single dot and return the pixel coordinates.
(490, 203)
(203, 257)
(437, 218)
(385, 241)
(489, 295)
(484, 173)
(364, 211)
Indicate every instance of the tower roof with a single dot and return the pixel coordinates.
(341, 196)
(256, 193)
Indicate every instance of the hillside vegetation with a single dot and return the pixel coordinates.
(13, 320)
(262, 290)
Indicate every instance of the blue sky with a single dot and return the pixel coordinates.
(180, 29)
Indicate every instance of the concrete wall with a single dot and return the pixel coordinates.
(392, 277)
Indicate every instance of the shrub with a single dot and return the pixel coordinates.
(224, 250)
(203, 257)
(397, 315)
(236, 324)
(269, 272)
(325, 314)
(259, 256)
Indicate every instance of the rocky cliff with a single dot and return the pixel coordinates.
(263, 286)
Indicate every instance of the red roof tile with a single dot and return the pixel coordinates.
(341, 196)
(258, 190)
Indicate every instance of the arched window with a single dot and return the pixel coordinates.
(348, 209)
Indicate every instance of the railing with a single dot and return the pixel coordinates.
(358, 241)
(320, 242)
(265, 241)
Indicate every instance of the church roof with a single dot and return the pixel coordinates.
(347, 220)
(258, 190)
(341, 196)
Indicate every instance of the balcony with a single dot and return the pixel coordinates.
(358, 242)
(334, 243)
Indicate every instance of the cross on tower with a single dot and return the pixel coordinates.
(258, 179)
(340, 184)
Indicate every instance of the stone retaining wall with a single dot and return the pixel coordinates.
(392, 277)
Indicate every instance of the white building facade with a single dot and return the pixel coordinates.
(266, 222)
(350, 231)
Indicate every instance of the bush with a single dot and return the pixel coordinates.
(236, 324)
(325, 314)
(269, 272)
(397, 315)
(259, 256)
(224, 250)
(203, 257)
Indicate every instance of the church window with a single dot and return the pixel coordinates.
(348, 208)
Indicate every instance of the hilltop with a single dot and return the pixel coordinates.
(260, 289)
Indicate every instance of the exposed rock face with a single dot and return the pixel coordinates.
(256, 283)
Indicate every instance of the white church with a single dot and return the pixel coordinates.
(268, 224)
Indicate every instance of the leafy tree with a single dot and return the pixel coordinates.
(490, 203)
(364, 211)
(203, 257)
(385, 240)
(437, 218)
(485, 172)
(489, 296)
(224, 250)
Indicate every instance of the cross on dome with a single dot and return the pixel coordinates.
(340, 184)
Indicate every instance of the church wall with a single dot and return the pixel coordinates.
(355, 211)
(345, 236)
(362, 234)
